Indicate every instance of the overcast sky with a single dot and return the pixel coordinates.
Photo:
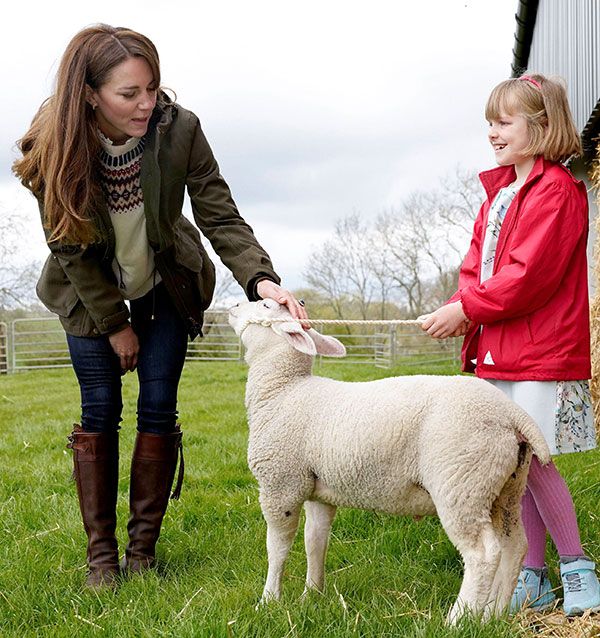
(314, 109)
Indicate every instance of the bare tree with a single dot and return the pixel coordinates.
(404, 262)
(409, 256)
(17, 278)
(427, 238)
(343, 269)
(382, 273)
(226, 287)
(459, 196)
(326, 275)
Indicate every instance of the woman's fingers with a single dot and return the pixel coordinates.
(126, 346)
(297, 309)
(267, 288)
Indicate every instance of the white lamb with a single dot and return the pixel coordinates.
(455, 446)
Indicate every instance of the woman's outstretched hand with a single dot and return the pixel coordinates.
(126, 346)
(267, 288)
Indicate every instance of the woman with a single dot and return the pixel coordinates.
(108, 157)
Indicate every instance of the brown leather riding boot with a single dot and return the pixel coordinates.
(152, 472)
(96, 473)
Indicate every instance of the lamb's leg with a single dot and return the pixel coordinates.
(481, 557)
(513, 549)
(281, 530)
(319, 517)
(506, 519)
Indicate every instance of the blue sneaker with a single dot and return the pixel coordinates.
(580, 586)
(533, 590)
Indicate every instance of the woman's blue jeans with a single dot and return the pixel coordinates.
(163, 345)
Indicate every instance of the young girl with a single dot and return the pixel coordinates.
(522, 304)
(109, 157)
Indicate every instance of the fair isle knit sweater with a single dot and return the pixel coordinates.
(133, 264)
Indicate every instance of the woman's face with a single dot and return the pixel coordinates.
(124, 103)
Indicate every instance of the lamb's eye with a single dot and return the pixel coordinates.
(265, 304)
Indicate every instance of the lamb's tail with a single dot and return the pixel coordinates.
(530, 430)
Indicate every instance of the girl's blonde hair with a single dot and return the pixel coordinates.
(61, 148)
(544, 104)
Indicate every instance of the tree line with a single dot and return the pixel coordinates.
(401, 264)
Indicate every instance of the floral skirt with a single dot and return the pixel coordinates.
(562, 410)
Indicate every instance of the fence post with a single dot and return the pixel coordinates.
(458, 349)
(13, 354)
(3, 348)
(392, 345)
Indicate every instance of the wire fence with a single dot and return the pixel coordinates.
(37, 343)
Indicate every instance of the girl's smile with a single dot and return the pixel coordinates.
(509, 137)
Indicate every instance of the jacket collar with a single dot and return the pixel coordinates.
(497, 178)
(162, 115)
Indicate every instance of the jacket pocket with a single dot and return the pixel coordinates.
(191, 254)
(505, 346)
(55, 290)
(542, 327)
(181, 285)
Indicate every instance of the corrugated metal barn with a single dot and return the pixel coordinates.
(562, 37)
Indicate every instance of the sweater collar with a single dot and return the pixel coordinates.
(115, 150)
(497, 178)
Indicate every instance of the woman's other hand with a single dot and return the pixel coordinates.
(267, 288)
(126, 346)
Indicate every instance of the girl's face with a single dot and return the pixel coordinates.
(509, 137)
(124, 103)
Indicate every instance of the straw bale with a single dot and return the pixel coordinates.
(595, 302)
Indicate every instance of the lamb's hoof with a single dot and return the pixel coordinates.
(460, 611)
(455, 614)
(309, 591)
(265, 600)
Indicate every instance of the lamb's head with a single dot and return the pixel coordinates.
(268, 315)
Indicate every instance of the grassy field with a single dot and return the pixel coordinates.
(387, 576)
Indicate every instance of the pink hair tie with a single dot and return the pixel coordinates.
(528, 78)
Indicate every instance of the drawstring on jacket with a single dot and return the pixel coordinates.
(121, 282)
(153, 294)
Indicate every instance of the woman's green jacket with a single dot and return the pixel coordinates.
(77, 281)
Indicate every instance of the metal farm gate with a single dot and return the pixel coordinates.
(28, 344)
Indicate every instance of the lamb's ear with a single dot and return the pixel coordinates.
(327, 346)
(296, 336)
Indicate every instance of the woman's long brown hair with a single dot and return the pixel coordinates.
(61, 147)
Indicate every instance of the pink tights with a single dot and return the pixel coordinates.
(547, 505)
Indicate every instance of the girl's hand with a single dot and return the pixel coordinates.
(462, 330)
(126, 346)
(267, 288)
(447, 321)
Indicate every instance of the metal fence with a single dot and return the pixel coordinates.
(3, 348)
(40, 343)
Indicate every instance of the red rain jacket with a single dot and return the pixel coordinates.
(534, 309)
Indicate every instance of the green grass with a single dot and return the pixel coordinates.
(387, 576)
